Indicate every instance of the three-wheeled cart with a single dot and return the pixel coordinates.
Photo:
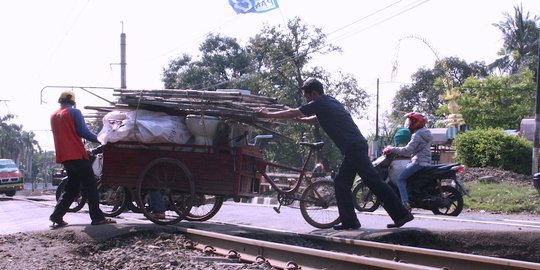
(179, 172)
(187, 176)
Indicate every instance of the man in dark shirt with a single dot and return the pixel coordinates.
(337, 122)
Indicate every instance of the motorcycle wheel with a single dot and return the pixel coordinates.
(456, 206)
(363, 198)
(77, 204)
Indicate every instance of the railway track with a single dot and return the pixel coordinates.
(309, 251)
(342, 254)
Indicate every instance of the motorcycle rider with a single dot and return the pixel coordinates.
(419, 148)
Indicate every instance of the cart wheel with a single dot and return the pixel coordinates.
(113, 200)
(318, 204)
(77, 204)
(204, 207)
(173, 182)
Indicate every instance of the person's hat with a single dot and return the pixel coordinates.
(312, 84)
(67, 97)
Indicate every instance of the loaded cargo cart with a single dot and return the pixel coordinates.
(193, 149)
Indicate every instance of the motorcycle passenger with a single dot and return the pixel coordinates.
(402, 137)
(419, 148)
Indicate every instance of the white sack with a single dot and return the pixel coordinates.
(143, 126)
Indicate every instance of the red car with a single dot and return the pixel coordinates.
(11, 179)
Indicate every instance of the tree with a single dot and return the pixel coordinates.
(424, 94)
(223, 64)
(497, 101)
(284, 55)
(275, 62)
(520, 43)
(16, 144)
(43, 165)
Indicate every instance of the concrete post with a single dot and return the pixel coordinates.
(536, 146)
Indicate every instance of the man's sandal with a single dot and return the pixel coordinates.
(103, 221)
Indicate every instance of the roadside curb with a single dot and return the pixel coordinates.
(261, 200)
(37, 192)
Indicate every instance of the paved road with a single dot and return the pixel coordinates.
(30, 213)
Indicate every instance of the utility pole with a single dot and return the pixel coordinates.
(375, 146)
(123, 59)
(377, 114)
(536, 146)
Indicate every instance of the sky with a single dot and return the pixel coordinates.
(77, 43)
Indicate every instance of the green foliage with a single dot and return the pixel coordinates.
(520, 47)
(275, 62)
(506, 198)
(497, 101)
(494, 148)
(44, 162)
(424, 94)
(16, 143)
(223, 61)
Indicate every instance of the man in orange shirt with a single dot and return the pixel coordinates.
(68, 129)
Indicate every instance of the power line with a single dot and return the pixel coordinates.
(363, 18)
(67, 32)
(198, 38)
(382, 20)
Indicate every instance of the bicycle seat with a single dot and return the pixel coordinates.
(315, 146)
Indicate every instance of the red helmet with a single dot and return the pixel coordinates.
(414, 121)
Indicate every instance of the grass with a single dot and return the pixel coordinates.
(502, 198)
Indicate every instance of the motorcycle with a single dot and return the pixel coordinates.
(436, 188)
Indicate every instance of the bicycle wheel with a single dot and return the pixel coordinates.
(77, 204)
(204, 207)
(174, 183)
(318, 204)
(363, 198)
(113, 200)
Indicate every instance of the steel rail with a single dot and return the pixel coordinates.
(347, 254)
(283, 256)
(423, 256)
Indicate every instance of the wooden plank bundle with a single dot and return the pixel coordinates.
(229, 105)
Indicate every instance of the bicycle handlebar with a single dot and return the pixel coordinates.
(315, 146)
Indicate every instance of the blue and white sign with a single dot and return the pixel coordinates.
(253, 6)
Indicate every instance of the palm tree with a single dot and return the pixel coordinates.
(16, 144)
(520, 48)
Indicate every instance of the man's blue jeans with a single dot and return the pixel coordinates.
(157, 204)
